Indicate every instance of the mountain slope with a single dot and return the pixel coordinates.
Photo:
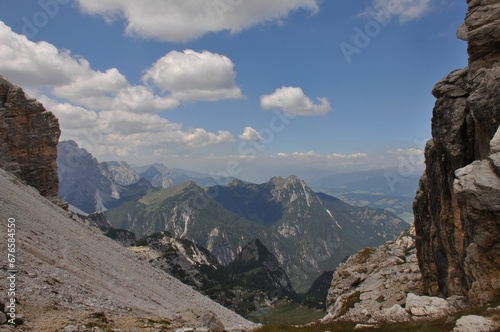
(68, 268)
(259, 269)
(304, 232)
(186, 212)
(252, 282)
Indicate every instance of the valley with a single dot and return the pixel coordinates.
(199, 233)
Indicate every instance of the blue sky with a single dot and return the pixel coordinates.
(217, 85)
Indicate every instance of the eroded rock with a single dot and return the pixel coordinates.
(28, 139)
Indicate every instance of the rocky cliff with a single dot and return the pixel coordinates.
(457, 207)
(28, 139)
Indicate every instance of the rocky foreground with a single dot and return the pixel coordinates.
(72, 278)
(457, 208)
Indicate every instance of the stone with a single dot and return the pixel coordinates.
(462, 32)
(28, 139)
(473, 323)
(210, 320)
(457, 205)
(427, 307)
(377, 296)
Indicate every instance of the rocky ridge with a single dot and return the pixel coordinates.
(28, 139)
(457, 207)
(378, 287)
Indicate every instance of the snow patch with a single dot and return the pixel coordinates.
(336, 223)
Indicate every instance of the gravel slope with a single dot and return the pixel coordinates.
(66, 266)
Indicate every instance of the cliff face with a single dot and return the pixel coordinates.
(28, 139)
(457, 207)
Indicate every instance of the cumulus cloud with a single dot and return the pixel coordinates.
(42, 66)
(404, 10)
(292, 101)
(33, 64)
(122, 133)
(413, 155)
(182, 21)
(98, 109)
(191, 75)
(250, 134)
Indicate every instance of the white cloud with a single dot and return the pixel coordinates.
(191, 75)
(42, 66)
(141, 99)
(404, 10)
(123, 133)
(98, 109)
(250, 134)
(292, 101)
(32, 64)
(414, 155)
(181, 21)
(316, 155)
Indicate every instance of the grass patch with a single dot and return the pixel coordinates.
(362, 256)
(424, 326)
(349, 303)
(285, 312)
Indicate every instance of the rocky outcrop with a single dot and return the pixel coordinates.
(28, 139)
(457, 207)
(373, 285)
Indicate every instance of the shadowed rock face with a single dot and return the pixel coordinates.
(457, 207)
(28, 139)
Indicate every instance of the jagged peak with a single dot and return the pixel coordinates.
(235, 182)
(290, 180)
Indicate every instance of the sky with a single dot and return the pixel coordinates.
(237, 87)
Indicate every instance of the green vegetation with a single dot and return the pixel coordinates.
(285, 312)
(350, 302)
(363, 256)
(423, 326)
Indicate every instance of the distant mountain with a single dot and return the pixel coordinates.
(317, 293)
(90, 186)
(257, 268)
(307, 233)
(120, 172)
(82, 180)
(161, 176)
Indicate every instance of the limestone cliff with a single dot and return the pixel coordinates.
(457, 207)
(28, 139)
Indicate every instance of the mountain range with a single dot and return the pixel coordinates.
(308, 233)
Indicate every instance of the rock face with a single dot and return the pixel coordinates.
(28, 139)
(83, 182)
(457, 207)
(372, 286)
